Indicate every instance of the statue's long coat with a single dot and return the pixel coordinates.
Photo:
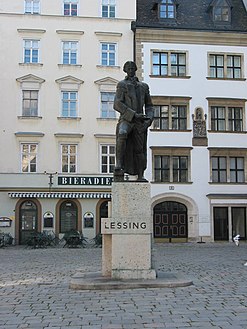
(133, 97)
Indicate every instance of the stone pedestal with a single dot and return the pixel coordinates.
(127, 234)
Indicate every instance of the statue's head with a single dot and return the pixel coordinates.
(129, 65)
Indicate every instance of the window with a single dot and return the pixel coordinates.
(69, 104)
(219, 169)
(70, 7)
(170, 168)
(168, 64)
(32, 6)
(29, 158)
(70, 49)
(170, 113)
(236, 170)
(167, 9)
(228, 167)
(108, 8)
(171, 165)
(221, 11)
(225, 66)
(31, 51)
(225, 118)
(69, 158)
(107, 99)
(108, 54)
(107, 158)
(30, 103)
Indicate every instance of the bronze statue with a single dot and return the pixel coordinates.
(132, 96)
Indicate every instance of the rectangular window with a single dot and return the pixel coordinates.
(180, 169)
(167, 9)
(170, 117)
(219, 169)
(108, 54)
(30, 103)
(171, 168)
(236, 169)
(162, 168)
(107, 99)
(29, 158)
(228, 168)
(226, 118)
(32, 6)
(31, 51)
(108, 9)
(225, 66)
(169, 63)
(69, 104)
(70, 7)
(70, 49)
(107, 158)
(69, 158)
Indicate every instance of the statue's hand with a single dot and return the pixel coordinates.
(139, 116)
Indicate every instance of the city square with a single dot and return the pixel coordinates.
(35, 293)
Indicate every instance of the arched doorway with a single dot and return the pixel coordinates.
(68, 216)
(170, 222)
(103, 212)
(28, 220)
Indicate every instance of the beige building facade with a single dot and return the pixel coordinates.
(60, 65)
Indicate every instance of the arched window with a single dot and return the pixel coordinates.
(68, 216)
(28, 220)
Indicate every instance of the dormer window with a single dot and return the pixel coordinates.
(167, 9)
(221, 11)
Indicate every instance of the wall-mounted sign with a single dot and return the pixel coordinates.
(5, 221)
(75, 180)
(88, 220)
(48, 219)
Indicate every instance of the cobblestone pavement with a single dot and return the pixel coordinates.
(34, 290)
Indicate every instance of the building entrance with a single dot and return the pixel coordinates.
(171, 222)
(28, 221)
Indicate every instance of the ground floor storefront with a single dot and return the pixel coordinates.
(176, 217)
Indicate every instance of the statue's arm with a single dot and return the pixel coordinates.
(149, 108)
(120, 104)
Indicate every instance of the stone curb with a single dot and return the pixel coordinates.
(95, 281)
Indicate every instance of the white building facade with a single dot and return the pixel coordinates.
(61, 62)
(196, 72)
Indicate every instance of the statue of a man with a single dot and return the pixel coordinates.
(134, 104)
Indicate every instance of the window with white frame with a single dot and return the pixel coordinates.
(171, 165)
(170, 113)
(30, 103)
(227, 115)
(70, 52)
(168, 63)
(29, 157)
(228, 165)
(167, 9)
(32, 6)
(108, 8)
(107, 100)
(69, 158)
(108, 153)
(69, 104)
(108, 54)
(31, 51)
(228, 66)
(70, 7)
